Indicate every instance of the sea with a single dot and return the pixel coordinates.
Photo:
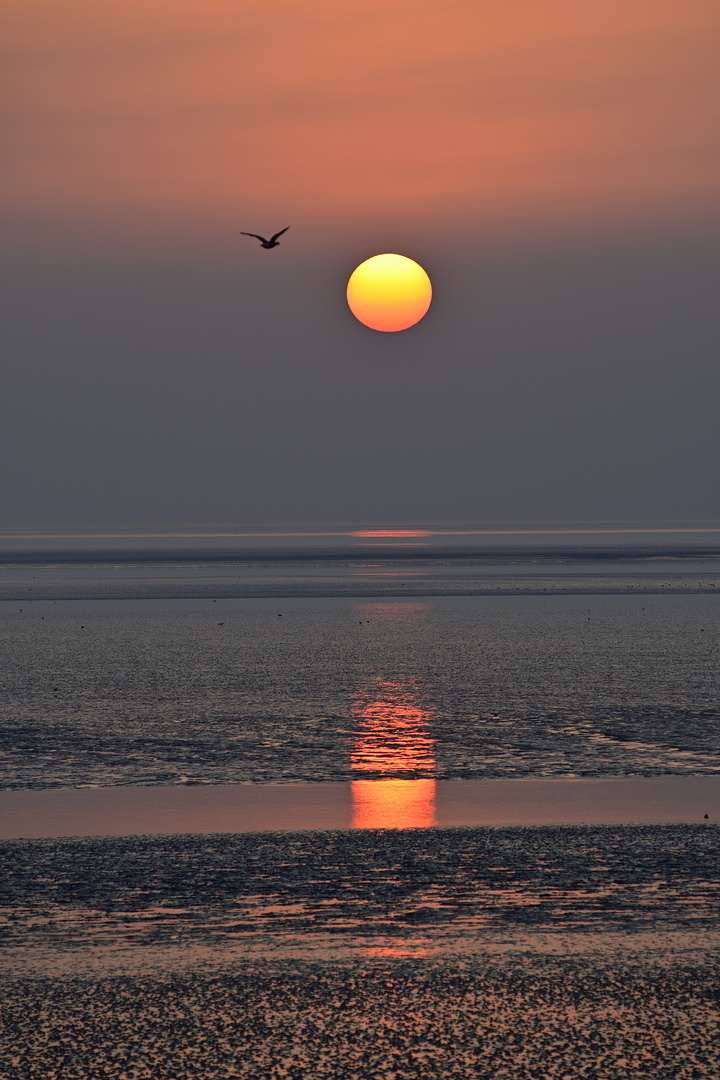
(396, 664)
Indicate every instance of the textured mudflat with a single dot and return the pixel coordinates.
(568, 952)
(517, 1018)
(429, 891)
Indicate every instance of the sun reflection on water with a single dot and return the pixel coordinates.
(393, 804)
(392, 743)
(409, 948)
(392, 733)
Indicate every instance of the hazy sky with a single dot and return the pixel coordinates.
(555, 168)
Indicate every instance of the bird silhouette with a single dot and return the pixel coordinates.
(272, 242)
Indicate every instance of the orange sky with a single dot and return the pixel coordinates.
(129, 115)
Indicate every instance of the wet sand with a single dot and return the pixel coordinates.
(525, 1017)
(129, 811)
(576, 951)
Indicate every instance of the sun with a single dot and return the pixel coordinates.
(389, 292)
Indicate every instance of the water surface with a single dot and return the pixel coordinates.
(190, 691)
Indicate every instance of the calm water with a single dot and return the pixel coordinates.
(528, 683)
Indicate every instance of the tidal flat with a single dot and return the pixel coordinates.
(582, 951)
(525, 1017)
(142, 692)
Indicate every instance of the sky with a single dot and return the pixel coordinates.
(554, 167)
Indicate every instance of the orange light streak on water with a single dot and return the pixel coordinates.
(408, 948)
(393, 804)
(392, 736)
(386, 534)
(392, 733)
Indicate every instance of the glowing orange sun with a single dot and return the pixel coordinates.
(389, 292)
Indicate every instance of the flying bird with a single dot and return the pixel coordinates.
(272, 242)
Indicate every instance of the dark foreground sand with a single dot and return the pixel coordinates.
(568, 952)
(522, 1017)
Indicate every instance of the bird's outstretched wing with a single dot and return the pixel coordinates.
(256, 235)
(279, 234)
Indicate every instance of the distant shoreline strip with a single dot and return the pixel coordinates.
(407, 552)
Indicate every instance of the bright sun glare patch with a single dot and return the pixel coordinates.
(393, 804)
(389, 292)
(393, 534)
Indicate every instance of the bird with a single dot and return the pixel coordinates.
(272, 242)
